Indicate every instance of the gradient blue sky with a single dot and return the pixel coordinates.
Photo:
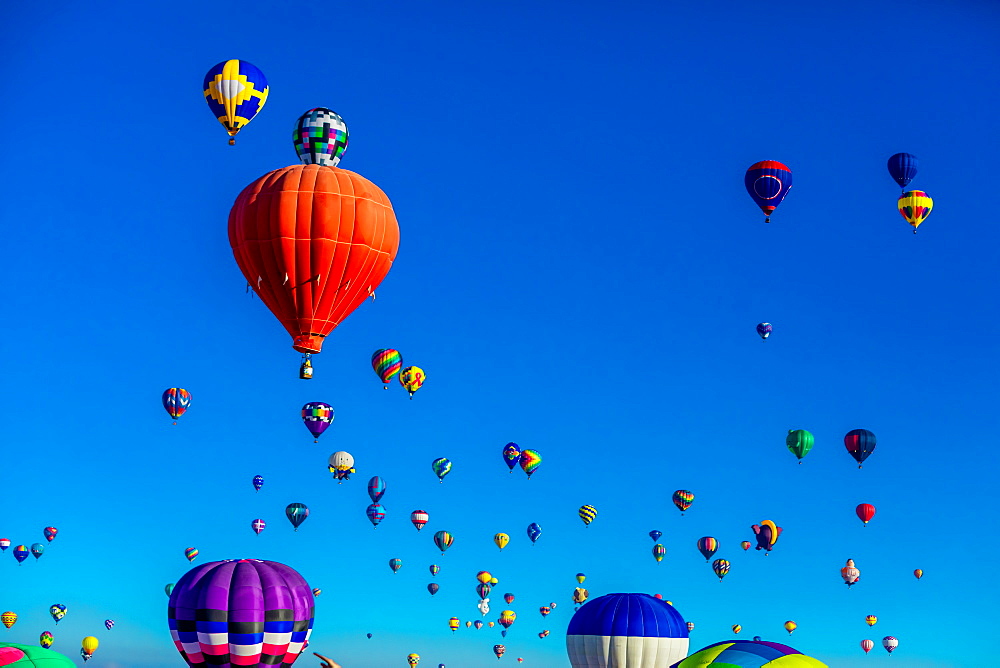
(580, 272)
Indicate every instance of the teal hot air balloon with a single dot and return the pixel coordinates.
(320, 137)
(37, 549)
(296, 514)
(799, 442)
(395, 564)
(441, 467)
(443, 540)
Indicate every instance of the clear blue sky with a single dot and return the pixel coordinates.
(580, 271)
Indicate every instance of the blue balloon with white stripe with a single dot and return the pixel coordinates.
(626, 631)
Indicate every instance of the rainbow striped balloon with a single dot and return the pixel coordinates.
(386, 362)
(191, 553)
(530, 460)
(659, 552)
(683, 499)
(707, 546)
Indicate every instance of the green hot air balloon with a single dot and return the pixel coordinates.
(799, 442)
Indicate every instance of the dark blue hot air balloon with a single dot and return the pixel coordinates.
(902, 168)
(768, 182)
(296, 514)
(655, 535)
(634, 630)
(258, 482)
(534, 531)
(860, 443)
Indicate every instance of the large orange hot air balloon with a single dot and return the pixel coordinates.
(313, 242)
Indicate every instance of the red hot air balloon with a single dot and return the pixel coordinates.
(866, 512)
(313, 242)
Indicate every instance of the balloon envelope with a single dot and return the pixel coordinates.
(902, 168)
(317, 416)
(376, 488)
(768, 182)
(386, 362)
(749, 654)
(176, 401)
(860, 443)
(296, 514)
(235, 91)
(626, 630)
(511, 455)
(534, 532)
(320, 137)
(764, 330)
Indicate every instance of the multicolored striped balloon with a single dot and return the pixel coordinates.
(587, 514)
(176, 400)
(708, 546)
(434, 569)
(530, 460)
(511, 455)
(721, 567)
(443, 540)
(8, 618)
(375, 513)
(376, 488)
(21, 553)
(386, 362)
(659, 552)
(317, 416)
(412, 378)
(683, 499)
(50, 533)
(914, 207)
(507, 617)
(320, 137)
(191, 553)
(244, 612)
(419, 518)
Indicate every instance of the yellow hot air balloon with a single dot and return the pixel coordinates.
(453, 624)
(501, 540)
(413, 659)
(494, 581)
(737, 628)
(587, 514)
(412, 378)
(483, 576)
(580, 577)
(915, 206)
(790, 626)
(870, 620)
(491, 624)
(918, 574)
(8, 618)
(579, 595)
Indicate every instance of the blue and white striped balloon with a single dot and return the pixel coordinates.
(626, 631)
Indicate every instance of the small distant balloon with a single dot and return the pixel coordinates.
(419, 518)
(534, 532)
(412, 379)
(433, 588)
(191, 553)
(745, 545)
(870, 620)
(501, 540)
(58, 611)
(902, 168)
(50, 533)
(8, 618)
(587, 514)
(890, 644)
(376, 488)
(764, 330)
(434, 569)
(867, 645)
(258, 482)
(767, 183)
(395, 564)
(860, 443)
(317, 416)
(799, 442)
(530, 460)
(37, 550)
(109, 624)
(167, 589)
(317, 591)
(545, 610)
(441, 467)
(655, 535)
(918, 573)
(443, 540)
(580, 578)
(258, 525)
(708, 546)
(46, 639)
(375, 513)
(511, 455)
(790, 626)
(721, 567)
(683, 499)
(737, 628)
(176, 401)
(659, 552)
(21, 553)
(690, 626)
(386, 362)
(865, 512)
(914, 206)
(767, 534)
(296, 514)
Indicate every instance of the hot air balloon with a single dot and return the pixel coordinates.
(258, 525)
(511, 455)
(8, 618)
(434, 569)
(317, 591)
(659, 552)
(767, 535)
(21, 553)
(341, 465)
(690, 626)
(235, 91)
(168, 588)
(507, 618)
(707, 546)
(346, 238)
(375, 513)
(395, 564)
(50, 533)
(580, 596)
(4, 544)
(581, 577)
(296, 514)
(109, 624)
(386, 362)
(46, 639)
(191, 553)
(37, 550)
(870, 620)
(865, 511)
(918, 573)
(737, 628)
(419, 518)
(413, 659)
(369, 636)
(432, 587)
(453, 624)
(534, 532)
(530, 460)
(544, 634)
(764, 330)
(683, 499)
(626, 630)
(902, 168)
(501, 540)
(768, 182)
(412, 379)
(914, 206)
(860, 443)
(87, 647)
(655, 535)
(484, 576)
(176, 401)
(441, 467)
(749, 654)
(478, 624)
(443, 540)
(850, 573)
(721, 567)
(483, 590)
(544, 610)
(587, 514)
(58, 611)
(745, 545)
(508, 598)
(269, 598)
(890, 643)
(867, 645)
(376, 488)
(799, 442)
(499, 650)
(317, 416)
(320, 137)
(258, 482)
(790, 626)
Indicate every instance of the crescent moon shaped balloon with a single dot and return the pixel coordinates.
(235, 91)
(313, 242)
(320, 137)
